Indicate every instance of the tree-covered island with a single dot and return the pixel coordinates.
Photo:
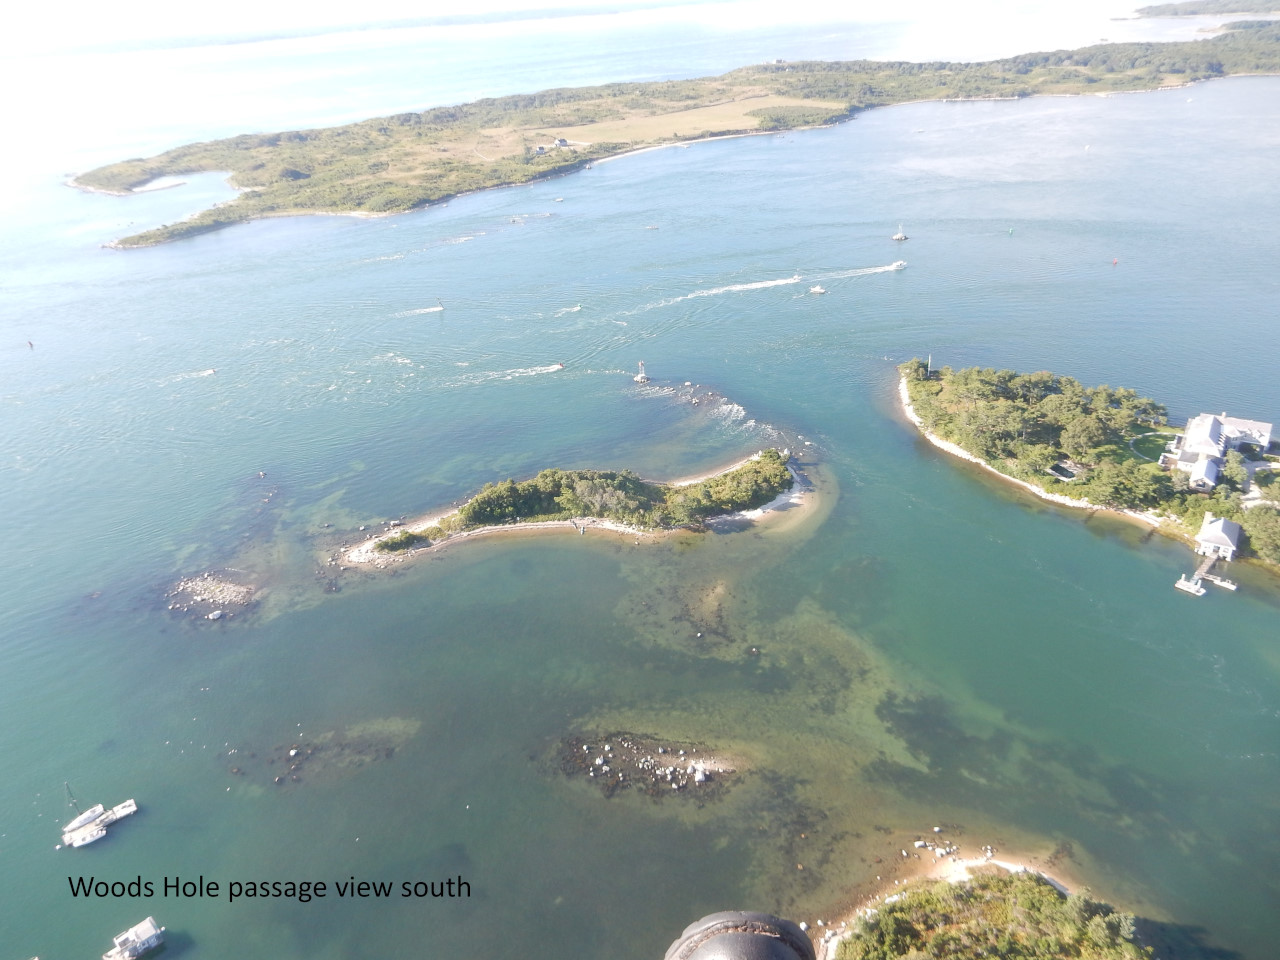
(618, 496)
(1093, 444)
(1019, 915)
(410, 160)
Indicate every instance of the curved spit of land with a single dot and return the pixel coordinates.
(410, 160)
(1082, 447)
(585, 500)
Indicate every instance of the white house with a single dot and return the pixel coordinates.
(1204, 474)
(1201, 448)
(1218, 537)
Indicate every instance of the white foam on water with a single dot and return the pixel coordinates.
(765, 285)
(859, 271)
(729, 411)
(561, 312)
(414, 313)
(193, 375)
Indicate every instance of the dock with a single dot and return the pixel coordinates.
(1191, 586)
(80, 831)
(1195, 585)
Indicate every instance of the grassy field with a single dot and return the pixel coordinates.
(410, 160)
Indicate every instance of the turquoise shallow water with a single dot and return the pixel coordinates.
(936, 648)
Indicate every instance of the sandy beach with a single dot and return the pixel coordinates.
(367, 555)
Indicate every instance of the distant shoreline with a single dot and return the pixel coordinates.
(427, 158)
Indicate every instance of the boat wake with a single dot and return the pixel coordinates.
(420, 310)
(483, 376)
(766, 285)
(860, 271)
(563, 310)
(179, 377)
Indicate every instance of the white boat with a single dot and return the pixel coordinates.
(817, 290)
(84, 836)
(86, 818)
(137, 940)
(898, 264)
(899, 235)
(641, 377)
(85, 829)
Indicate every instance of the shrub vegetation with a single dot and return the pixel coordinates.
(610, 495)
(1018, 916)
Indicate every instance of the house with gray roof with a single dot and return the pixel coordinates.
(1218, 537)
(1201, 448)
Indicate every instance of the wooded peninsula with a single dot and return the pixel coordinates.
(1096, 444)
(411, 160)
(620, 496)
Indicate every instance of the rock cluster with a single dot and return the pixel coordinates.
(209, 596)
(655, 767)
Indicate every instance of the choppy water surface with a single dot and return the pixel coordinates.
(925, 648)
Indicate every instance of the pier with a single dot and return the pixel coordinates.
(1194, 585)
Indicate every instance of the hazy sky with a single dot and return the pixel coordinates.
(45, 27)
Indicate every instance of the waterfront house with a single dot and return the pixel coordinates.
(1204, 474)
(1218, 537)
(1202, 447)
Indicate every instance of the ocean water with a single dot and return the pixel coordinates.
(930, 646)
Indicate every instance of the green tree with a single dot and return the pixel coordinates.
(1234, 470)
(1082, 435)
(1262, 524)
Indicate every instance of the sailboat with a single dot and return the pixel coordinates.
(641, 377)
(899, 235)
